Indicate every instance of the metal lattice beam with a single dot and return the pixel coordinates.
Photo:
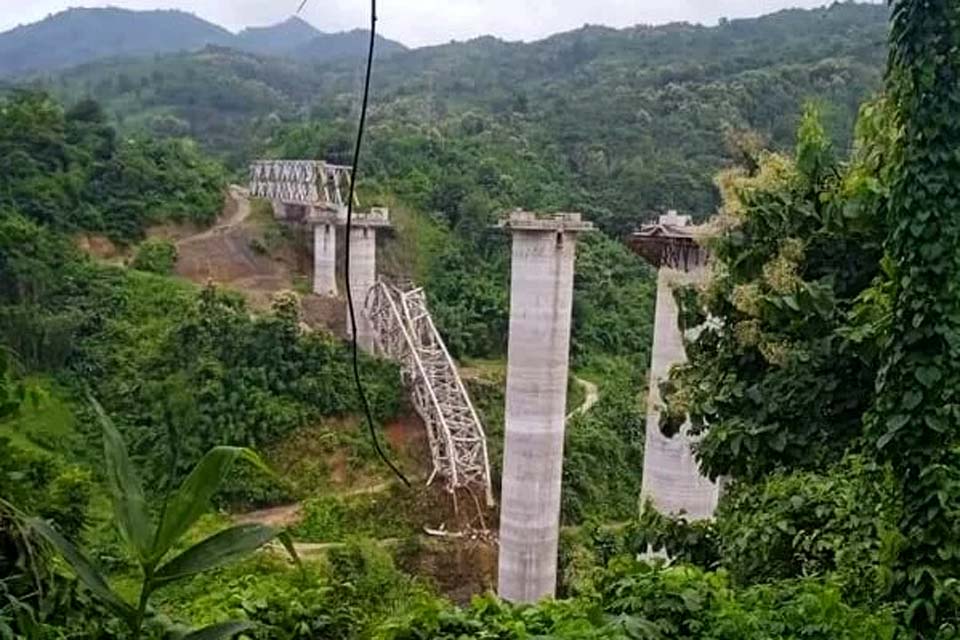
(302, 182)
(406, 333)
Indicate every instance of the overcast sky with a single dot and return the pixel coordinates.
(421, 22)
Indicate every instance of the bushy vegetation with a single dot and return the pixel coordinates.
(181, 370)
(392, 515)
(155, 256)
(348, 595)
(603, 453)
(637, 600)
(780, 382)
(70, 170)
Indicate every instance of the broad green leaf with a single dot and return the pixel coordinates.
(222, 630)
(193, 497)
(84, 569)
(129, 505)
(217, 550)
(928, 376)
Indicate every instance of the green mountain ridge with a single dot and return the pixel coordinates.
(79, 36)
(619, 123)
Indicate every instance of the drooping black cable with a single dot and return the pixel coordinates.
(346, 251)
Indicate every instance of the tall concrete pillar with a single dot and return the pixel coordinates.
(325, 259)
(671, 476)
(363, 275)
(363, 269)
(541, 297)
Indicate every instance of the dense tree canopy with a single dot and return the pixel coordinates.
(68, 169)
(778, 379)
(616, 123)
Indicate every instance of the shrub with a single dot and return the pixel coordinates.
(248, 487)
(693, 542)
(345, 598)
(646, 602)
(155, 256)
(686, 603)
(39, 484)
(841, 523)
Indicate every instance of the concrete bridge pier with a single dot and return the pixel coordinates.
(325, 258)
(541, 297)
(363, 270)
(671, 475)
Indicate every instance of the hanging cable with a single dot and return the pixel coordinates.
(350, 197)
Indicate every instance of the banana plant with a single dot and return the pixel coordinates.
(151, 543)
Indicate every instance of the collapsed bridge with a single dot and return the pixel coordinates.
(392, 322)
(406, 333)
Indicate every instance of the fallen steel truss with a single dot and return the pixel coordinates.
(406, 333)
(302, 182)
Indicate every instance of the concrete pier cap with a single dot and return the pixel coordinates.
(520, 220)
(538, 354)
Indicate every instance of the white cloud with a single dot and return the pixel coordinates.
(421, 22)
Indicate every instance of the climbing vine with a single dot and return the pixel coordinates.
(915, 423)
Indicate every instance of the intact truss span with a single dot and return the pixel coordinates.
(301, 182)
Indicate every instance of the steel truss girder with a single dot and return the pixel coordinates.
(303, 182)
(405, 332)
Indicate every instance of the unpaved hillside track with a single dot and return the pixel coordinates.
(225, 254)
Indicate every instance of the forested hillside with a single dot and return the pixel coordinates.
(617, 123)
(79, 36)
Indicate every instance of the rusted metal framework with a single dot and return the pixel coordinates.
(670, 242)
(405, 332)
(301, 182)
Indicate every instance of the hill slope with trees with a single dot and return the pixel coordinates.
(617, 123)
(79, 36)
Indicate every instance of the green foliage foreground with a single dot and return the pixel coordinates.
(915, 423)
(149, 544)
(635, 600)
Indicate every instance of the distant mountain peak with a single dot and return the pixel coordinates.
(293, 24)
(81, 35)
(297, 20)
